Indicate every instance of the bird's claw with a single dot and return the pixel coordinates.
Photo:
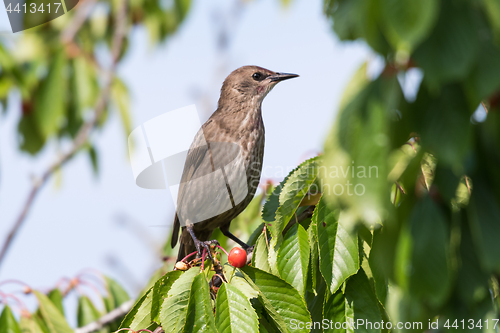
(206, 245)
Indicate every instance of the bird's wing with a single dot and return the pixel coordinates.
(213, 161)
(197, 157)
(197, 162)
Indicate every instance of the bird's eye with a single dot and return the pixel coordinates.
(257, 76)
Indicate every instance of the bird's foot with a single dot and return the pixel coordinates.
(209, 246)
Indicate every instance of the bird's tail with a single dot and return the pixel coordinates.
(187, 246)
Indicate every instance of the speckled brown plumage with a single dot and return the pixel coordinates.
(234, 133)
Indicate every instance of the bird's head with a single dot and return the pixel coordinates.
(251, 84)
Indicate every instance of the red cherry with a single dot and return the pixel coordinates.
(237, 257)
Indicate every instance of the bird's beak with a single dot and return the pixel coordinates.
(282, 76)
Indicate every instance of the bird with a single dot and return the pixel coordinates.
(224, 163)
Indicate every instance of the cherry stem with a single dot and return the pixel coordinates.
(220, 277)
(203, 259)
(189, 255)
(16, 282)
(96, 279)
(63, 280)
(20, 303)
(93, 287)
(220, 247)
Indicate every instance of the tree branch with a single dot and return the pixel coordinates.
(307, 213)
(83, 10)
(83, 133)
(107, 318)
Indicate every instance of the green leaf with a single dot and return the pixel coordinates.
(283, 203)
(272, 203)
(282, 302)
(406, 22)
(335, 310)
(446, 182)
(375, 273)
(116, 294)
(472, 280)
(233, 312)
(484, 214)
(120, 97)
(84, 84)
(200, 316)
(355, 166)
(49, 105)
(492, 9)
(140, 314)
(294, 190)
(175, 306)
(443, 122)
(260, 254)
(30, 138)
(483, 82)
(315, 301)
(356, 19)
(357, 307)
(8, 323)
(338, 249)
(56, 297)
(293, 258)
(265, 326)
(478, 314)
(422, 254)
(358, 82)
(404, 308)
(160, 291)
(361, 302)
(239, 282)
(29, 325)
(272, 258)
(86, 312)
(93, 159)
(52, 317)
(313, 269)
(252, 239)
(450, 51)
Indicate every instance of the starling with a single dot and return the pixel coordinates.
(223, 165)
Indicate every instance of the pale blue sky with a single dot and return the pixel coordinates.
(73, 225)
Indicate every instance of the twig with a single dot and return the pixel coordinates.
(301, 217)
(107, 318)
(83, 133)
(83, 10)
